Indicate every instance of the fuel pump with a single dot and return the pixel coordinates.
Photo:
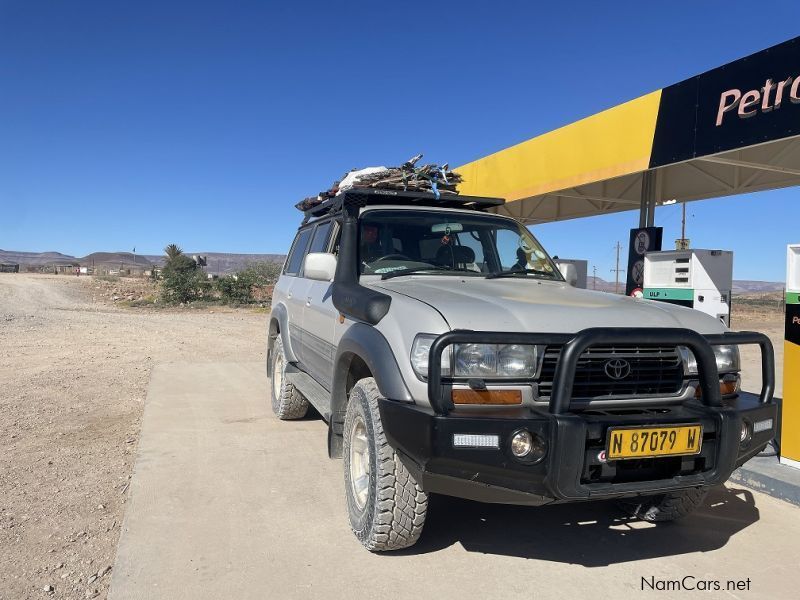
(790, 426)
(699, 279)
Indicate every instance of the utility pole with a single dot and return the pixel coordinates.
(594, 277)
(683, 223)
(617, 270)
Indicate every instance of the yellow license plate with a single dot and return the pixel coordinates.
(649, 442)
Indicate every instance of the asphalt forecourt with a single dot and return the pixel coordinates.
(228, 502)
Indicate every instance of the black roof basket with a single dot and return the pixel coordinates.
(366, 196)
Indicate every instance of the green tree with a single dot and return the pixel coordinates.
(173, 251)
(182, 281)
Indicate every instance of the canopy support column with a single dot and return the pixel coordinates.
(647, 211)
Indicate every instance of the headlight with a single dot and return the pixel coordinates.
(420, 351)
(477, 360)
(516, 360)
(495, 360)
(727, 359)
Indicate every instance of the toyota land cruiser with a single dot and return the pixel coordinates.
(449, 354)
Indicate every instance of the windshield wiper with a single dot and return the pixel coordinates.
(423, 270)
(520, 272)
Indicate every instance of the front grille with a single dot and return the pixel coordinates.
(654, 371)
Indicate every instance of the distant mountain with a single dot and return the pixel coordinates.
(35, 258)
(746, 286)
(124, 260)
(217, 262)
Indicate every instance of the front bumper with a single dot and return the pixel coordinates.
(571, 470)
(574, 468)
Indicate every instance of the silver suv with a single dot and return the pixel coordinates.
(449, 354)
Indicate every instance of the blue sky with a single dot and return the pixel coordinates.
(201, 123)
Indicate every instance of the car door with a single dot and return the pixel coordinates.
(319, 317)
(296, 289)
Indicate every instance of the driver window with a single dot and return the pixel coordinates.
(371, 247)
(509, 251)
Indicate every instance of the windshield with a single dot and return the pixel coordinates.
(396, 242)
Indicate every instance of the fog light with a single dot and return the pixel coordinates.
(521, 444)
(528, 447)
(744, 435)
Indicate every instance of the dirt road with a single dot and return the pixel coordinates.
(229, 502)
(73, 376)
(74, 371)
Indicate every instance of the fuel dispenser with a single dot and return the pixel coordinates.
(581, 269)
(790, 419)
(699, 279)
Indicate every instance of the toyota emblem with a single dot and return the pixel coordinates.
(617, 368)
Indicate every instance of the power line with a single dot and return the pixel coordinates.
(617, 270)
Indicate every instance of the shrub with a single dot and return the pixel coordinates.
(241, 287)
(182, 281)
(235, 289)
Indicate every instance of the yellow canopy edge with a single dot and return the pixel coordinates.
(615, 142)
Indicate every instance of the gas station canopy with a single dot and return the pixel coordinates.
(732, 130)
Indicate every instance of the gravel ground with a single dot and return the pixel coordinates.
(74, 368)
(73, 376)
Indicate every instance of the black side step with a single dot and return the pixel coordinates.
(312, 390)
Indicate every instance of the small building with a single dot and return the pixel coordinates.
(9, 267)
(65, 268)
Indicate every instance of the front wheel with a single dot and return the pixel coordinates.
(385, 504)
(665, 507)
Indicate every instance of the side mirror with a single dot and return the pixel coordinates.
(320, 266)
(569, 272)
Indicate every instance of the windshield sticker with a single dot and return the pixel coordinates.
(539, 254)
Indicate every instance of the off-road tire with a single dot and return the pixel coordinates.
(394, 511)
(287, 402)
(665, 507)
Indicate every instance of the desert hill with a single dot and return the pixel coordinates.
(218, 262)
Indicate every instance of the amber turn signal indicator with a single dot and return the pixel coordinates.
(502, 397)
(727, 387)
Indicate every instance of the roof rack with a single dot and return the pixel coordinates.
(367, 196)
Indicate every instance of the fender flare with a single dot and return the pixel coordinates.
(279, 317)
(368, 344)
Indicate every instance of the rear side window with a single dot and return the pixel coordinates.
(320, 241)
(298, 252)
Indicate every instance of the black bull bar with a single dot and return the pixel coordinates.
(573, 345)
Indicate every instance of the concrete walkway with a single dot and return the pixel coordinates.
(228, 502)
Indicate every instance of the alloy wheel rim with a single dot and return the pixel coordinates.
(359, 463)
(277, 376)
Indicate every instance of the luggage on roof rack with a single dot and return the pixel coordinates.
(361, 197)
(438, 180)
